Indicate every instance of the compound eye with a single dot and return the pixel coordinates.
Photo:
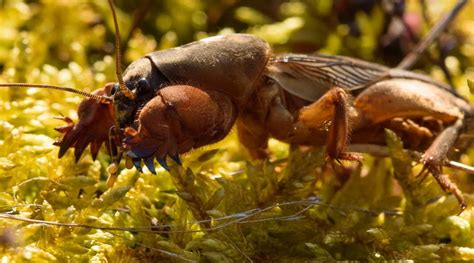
(143, 86)
(115, 89)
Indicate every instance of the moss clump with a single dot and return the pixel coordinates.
(220, 206)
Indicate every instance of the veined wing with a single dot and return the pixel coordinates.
(310, 76)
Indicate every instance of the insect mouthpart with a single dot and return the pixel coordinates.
(126, 106)
(125, 109)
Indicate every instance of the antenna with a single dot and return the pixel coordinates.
(102, 99)
(118, 56)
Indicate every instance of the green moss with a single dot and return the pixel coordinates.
(220, 206)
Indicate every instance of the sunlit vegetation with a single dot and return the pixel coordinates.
(220, 206)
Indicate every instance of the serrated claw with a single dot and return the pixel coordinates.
(132, 155)
(64, 118)
(142, 151)
(163, 163)
(92, 128)
(138, 164)
(149, 164)
(176, 159)
(58, 142)
(65, 128)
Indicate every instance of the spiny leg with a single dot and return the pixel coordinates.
(390, 99)
(332, 106)
(450, 187)
(339, 130)
(435, 157)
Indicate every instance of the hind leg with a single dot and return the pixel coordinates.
(435, 157)
(411, 99)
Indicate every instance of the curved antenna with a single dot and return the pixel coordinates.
(118, 56)
(102, 99)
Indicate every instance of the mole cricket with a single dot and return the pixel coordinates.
(172, 101)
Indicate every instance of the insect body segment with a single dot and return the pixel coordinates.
(183, 98)
(211, 78)
(177, 120)
(95, 120)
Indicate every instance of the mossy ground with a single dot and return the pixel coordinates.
(220, 206)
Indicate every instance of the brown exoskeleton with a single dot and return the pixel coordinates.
(175, 100)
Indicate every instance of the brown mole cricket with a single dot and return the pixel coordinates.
(172, 101)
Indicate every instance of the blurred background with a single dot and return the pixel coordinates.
(376, 30)
(71, 43)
